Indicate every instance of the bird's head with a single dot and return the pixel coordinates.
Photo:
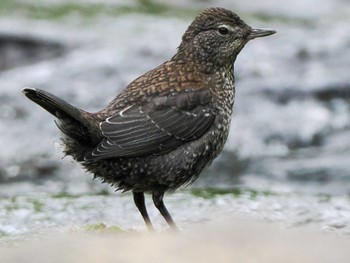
(216, 36)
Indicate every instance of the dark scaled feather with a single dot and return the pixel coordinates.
(158, 125)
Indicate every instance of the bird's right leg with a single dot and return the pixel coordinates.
(139, 200)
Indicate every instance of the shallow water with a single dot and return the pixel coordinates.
(34, 215)
(289, 143)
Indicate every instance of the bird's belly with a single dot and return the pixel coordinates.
(168, 171)
(183, 165)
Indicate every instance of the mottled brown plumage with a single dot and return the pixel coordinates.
(168, 124)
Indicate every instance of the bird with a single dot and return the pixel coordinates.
(167, 125)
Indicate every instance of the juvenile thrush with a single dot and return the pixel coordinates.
(168, 124)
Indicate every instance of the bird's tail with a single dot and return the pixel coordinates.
(75, 124)
(57, 107)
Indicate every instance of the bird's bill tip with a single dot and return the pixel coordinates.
(259, 32)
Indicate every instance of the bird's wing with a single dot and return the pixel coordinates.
(160, 124)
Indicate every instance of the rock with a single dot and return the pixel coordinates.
(20, 50)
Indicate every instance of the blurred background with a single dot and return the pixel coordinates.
(287, 159)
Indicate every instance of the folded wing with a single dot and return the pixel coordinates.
(157, 125)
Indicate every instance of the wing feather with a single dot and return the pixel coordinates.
(157, 125)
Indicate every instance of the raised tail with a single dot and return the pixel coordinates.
(51, 103)
(80, 129)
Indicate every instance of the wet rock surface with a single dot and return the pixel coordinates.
(290, 130)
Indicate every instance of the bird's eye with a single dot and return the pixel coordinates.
(223, 30)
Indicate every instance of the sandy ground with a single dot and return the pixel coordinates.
(236, 240)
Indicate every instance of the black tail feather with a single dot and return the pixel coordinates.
(56, 106)
(76, 125)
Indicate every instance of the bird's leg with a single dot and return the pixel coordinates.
(157, 196)
(139, 200)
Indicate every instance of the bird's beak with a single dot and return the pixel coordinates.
(258, 32)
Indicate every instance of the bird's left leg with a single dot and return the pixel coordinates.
(157, 196)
